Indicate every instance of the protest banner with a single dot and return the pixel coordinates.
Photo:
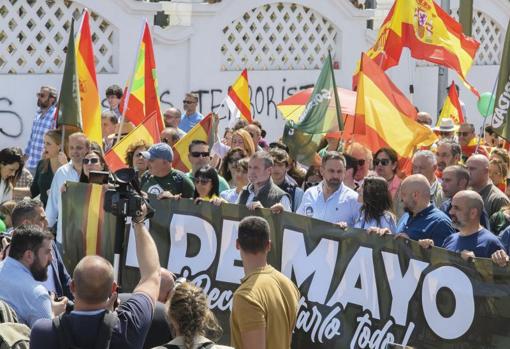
(358, 290)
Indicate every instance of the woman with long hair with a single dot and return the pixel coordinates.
(386, 166)
(242, 139)
(11, 165)
(53, 158)
(240, 180)
(376, 205)
(194, 324)
(93, 161)
(207, 184)
(228, 163)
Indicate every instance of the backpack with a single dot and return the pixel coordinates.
(12, 334)
(64, 332)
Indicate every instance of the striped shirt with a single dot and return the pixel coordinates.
(42, 123)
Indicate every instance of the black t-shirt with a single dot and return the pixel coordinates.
(135, 316)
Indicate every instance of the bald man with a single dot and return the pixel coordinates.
(172, 118)
(423, 221)
(472, 240)
(93, 287)
(493, 198)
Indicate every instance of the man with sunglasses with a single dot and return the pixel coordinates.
(191, 116)
(164, 181)
(44, 120)
(170, 136)
(172, 118)
(469, 142)
(78, 146)
(199, 156)
(363, 156)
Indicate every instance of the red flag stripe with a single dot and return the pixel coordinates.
(237, 101)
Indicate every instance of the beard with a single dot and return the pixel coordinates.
(39, 272)
(457, 224)
(333, 184)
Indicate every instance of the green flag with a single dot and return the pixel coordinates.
(466, 16)
(500, 116)
(69, 110)
(321, 115)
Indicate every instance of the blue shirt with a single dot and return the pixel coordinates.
(341, 206)
(188, 121)
(29, 299)
(430, 223)
(35, 146)
(483, 243)
(504, 237)
(134, 320)
(385, 221)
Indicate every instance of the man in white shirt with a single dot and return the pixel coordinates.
(331, 200)
(79, 146)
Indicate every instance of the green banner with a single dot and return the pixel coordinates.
(318, 118)
(358, 290)
(500, 120)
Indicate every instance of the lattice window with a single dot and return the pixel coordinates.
(488, 33)
(278, 36)
(34, 34)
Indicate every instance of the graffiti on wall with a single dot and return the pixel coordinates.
(12, 123)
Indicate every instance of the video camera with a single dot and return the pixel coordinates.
(125, 199)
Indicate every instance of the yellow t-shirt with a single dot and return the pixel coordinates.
(265, 299)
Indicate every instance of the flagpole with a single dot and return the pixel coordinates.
(442, 78)
(482, 131)
(126, 100)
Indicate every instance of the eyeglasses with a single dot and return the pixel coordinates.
(233, 160)
(202, 181)
(197, 154)
(384, 162)
(164, 140)
(39, 94)
(463, 134)
(360, 162)
(445, 134)
(90, 161)
(139, 155)
(188, 102)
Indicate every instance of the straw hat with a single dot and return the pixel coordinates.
(446, 125)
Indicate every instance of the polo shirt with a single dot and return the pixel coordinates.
(341, 206)
(188, 121)
(430, 223)
(483, 243)
(29, 299)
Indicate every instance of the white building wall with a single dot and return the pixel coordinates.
(188, 58)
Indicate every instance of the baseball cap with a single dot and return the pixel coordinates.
(159, 151)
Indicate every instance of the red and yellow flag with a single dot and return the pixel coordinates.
(238, 98)
(451, 107)
(430, 34)
(205, 131)
(147, 130)
(89, 93)
(142, 98)
(384, 116)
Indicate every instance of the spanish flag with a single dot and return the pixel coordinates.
(384, 116)
(430, 34)
(238, 98)
(451, 107)
(142, 98)
(148, 130)
(89, 92)
(88, 228)
(205, 131)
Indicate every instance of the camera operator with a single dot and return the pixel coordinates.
(164, 181)
(89, 325)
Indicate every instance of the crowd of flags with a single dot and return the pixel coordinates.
(382, 117)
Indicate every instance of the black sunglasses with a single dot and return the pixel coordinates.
(188, 102)
(360, 162)
(90, 161)
(463, 134)
(202, 180)
(384, 162)
(197, 154)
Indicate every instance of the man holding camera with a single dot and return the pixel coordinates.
(164, 181)
(93, 287)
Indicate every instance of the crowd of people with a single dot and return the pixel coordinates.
(456, 198)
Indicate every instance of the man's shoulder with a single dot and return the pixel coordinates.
(42, 334)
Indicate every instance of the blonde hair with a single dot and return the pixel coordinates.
(249, 147)
(189, 312)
